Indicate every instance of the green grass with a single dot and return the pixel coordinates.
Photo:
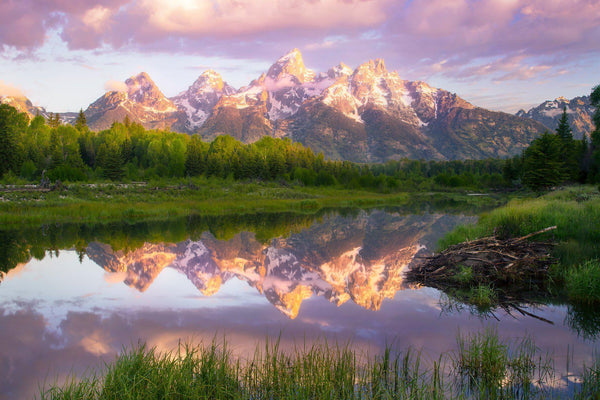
(582, 283)
(575, 211)
(492, 368)
(482, 296)
(590, 387)
(483, 367)
(107, 202)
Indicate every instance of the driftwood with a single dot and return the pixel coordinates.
(513, 266)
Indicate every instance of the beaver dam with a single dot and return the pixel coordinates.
(516, 269)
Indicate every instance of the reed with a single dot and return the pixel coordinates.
(483, 367)
(582, 283)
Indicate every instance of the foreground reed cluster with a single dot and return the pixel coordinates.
(483, 367)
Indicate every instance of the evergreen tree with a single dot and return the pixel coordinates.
(594, 174)
(571, 149)
(53, 120)
(595, 101)
(81, 121)
(111, 162)
(543, 163)
(56, 149)
(564, 129)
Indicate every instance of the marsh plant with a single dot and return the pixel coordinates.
(482, 367)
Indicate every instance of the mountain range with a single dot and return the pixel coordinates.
(367, 114)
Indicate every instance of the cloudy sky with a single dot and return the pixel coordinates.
(499, 54)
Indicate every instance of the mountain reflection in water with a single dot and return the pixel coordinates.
(359, 258)
(200, 278)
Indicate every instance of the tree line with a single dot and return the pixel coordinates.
(129, 152)
(30, 149)
(556, 158)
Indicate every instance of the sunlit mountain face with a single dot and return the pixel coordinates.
(360, 259)
(365, 114)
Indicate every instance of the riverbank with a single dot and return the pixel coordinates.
(91, 203)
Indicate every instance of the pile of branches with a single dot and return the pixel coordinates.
(514, 263)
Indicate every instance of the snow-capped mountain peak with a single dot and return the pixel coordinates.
(339, 70)
(579, 109)
(375, 67)
(211, 80)
(290, 64)
(141, 89)
(199, 99)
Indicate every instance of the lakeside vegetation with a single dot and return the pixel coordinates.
(100, 203)
(483, 367)
(575, 211)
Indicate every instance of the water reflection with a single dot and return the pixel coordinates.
(359, 259)
(74, 295)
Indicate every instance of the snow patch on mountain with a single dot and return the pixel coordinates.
(199, 99)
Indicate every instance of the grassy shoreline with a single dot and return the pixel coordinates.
(114, 202)
(483, 367)
(575, 211)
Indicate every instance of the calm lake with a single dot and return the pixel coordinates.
(72, 296)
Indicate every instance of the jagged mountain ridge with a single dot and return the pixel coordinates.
(579, 111)
(342, 259)
(368, 114)
(24, 105)
(200, 98)
(142, 102)
(365, 115)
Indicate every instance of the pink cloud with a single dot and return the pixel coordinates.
(240, 17)
(490, 27)
(448, 37)
(115, 86)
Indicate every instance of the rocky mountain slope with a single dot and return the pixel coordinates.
(368, 114)
(23, 104)
(579, 110)
(142, 102)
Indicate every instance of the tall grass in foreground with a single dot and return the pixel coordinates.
(483, 367)
(490, 368)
